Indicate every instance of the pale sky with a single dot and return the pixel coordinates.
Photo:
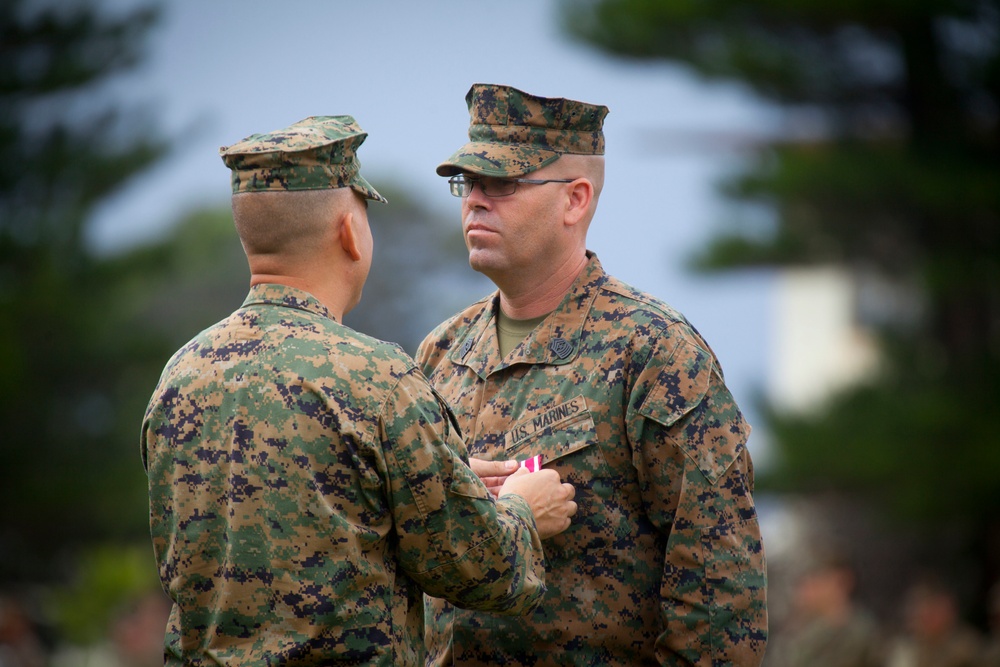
(221, 70)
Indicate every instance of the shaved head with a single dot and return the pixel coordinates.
(287, 223)
(590, 167)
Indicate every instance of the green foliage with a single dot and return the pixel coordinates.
(844, 55)
(68, 362)
(921, 445)
(106, 578)
(58, 159)
(174, 287)
(869, 204)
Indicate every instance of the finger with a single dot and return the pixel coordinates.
(520, 472)
(494, 489)
(492, 484)
(484, 468)
(493, 481)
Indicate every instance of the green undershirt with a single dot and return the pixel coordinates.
(511, 332)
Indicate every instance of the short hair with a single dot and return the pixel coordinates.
(590, 167)
(281, 222)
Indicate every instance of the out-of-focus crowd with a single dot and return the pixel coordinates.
(827, 627)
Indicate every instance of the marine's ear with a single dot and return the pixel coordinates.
(348, 236)
(578, 200)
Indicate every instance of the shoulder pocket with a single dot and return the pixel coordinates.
(680, 385)
(691, 400)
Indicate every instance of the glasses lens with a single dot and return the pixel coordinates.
(459, 186)
(497, 187)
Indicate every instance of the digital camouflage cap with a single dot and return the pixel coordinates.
(512, 133)
(317, 153)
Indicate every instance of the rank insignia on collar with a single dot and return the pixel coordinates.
(466, 346)
(561, 347)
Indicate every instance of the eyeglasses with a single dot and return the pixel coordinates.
(461, 185)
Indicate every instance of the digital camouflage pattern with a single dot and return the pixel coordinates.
(512, 132)
(316, 153)
(663, 562)
(306, 485)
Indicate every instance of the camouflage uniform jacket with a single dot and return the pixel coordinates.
(306, 485)
(663, 562)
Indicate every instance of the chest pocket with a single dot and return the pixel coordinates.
(555, 433)
(566, 438)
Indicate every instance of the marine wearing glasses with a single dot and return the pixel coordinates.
(615, 390)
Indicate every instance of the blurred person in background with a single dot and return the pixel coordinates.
(137, 631)
(828, 628)
(306, 484)
(934, 634)
(609, 386)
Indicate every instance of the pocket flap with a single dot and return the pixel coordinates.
(561, 430)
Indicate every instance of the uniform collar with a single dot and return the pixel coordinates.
(555, 341)
(273, 294)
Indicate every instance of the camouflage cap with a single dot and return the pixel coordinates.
(513, 133)
(317, 153)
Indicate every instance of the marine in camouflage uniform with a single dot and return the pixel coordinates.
(617, 391)
(827, 626)
(306, 484)
(935, 635)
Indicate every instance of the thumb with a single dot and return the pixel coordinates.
(520, 472)
(492, 468)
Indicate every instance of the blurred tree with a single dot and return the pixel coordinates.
(68, 462)
(901, 180)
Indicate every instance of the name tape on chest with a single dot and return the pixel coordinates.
(551, 418)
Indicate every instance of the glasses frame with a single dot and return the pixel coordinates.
(462, 185)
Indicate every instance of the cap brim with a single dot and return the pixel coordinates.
(365, 189)
(494, 159)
